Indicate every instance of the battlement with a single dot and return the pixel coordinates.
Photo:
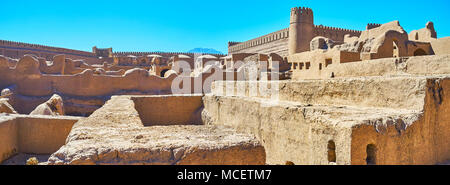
(302, 15)
(164, 54)
(336, 34)
(231, 43)
(336, 29)
(301, 11)
(372, 26)
(21, 45)
(271, 37)
(331, 32)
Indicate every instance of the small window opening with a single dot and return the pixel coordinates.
(328, 62)
(371, 151)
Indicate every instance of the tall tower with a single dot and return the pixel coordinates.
(301, 29)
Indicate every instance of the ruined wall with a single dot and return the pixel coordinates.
(18, 50)
(33, 134)
(426, 34)
(284, 129)
(318, 63)
(85, 88)
(419, 49)
(43, 134)
(419, 65)
(441, 46)
(84, 92)
(363, 92)
(423, 65)
(127, 141)
(423, 142)
(8, 137)
(312, 113)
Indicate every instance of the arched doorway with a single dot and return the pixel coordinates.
(420, 52)
(395, 51)
(163, 72)
(289, 163)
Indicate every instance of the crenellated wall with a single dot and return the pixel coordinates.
(372, 26)
(275, 42)
(301, 27)
(18, 49)
(333, 33)
(163, 54)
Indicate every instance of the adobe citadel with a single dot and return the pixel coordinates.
(344, 97)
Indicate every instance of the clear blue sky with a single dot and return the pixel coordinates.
(181, 25)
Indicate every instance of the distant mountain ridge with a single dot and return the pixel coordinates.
(205, 50)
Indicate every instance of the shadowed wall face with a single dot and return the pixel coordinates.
(169, 110)
(33, 134)
(43, 135)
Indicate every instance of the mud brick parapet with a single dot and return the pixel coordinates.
(372, 26)
(336, 34)
(18, 49)
(302, 30)
(163, 54)
(235, 47)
